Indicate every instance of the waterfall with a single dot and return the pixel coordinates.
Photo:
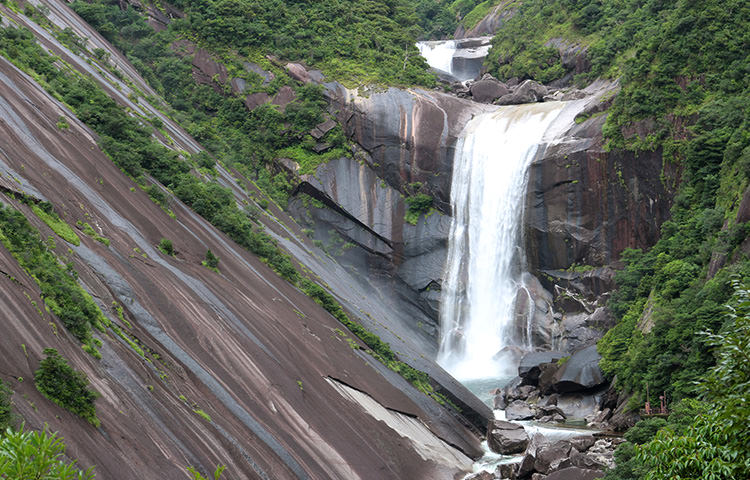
(439, 54)
(485, 255)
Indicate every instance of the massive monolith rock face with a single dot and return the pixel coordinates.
(584, 204)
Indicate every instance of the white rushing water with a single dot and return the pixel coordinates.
(485, 257)
(439, 54)
(460, 59)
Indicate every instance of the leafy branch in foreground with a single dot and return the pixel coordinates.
(37, 455)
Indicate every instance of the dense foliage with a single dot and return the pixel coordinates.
(37, 455)
(6, 407)
(685, 78)
(66, 387)
(215, 114)
(705, 439)
(58, 283)
(370, 40)
(130, 145)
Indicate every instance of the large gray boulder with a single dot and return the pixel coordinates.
(581, 372)
(488, 90)
(575, 473)
(506, 438)
(519, 410)
(528, 368)
(528, 92)
(551, 457)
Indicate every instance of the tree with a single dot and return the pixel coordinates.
(37, 455)
(66, 387)
(715, 445)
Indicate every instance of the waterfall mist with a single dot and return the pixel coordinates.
(485, 256)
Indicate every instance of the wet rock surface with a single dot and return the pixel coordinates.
(506, 438)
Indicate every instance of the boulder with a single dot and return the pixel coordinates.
(582, 444)
(285, 96)
(506, 438)
(255, 68)
(498, 402)
(581, 372)
(519, 410)
(489, 90)
(575, 473)
(506, 470)
(528, 368)
(551, 411)
(483, 475)
(298, 72)
(256, 99)
(551, 457)
(526, 467)
(547, 377)
(528, 92)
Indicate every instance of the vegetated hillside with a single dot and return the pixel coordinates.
(685, 78)
(198, 361)
(359, 41)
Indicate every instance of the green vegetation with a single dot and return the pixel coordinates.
(211, 261)
(370, 41)
(59, 286)
(47, 214)
(37, 455)
(89, 231)
(66, 387)
(165, 246)
(218, 119)
(202, 414)
(417, 205)
(6, 407)
(704, 439)
(196, 475)
(684, 74)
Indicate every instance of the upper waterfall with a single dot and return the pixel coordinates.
(485, 256)
(458, 60)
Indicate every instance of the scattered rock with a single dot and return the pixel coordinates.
(507, 470)
(285, 96)
(551, 411)
(483, 475)
(298, 72)
(581, 372)
(519, 410)
(528, 92)
(488, 90)
(506, 438)
(255, 68)
(582, 443)
(552, 457)
(528, 368)
(526, 467)
(575, 473)
(256, 99)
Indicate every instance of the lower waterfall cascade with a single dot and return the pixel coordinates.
(485, 255)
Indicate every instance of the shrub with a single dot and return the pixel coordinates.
(66, 387)
(166, 247)
(211, 261)
(418, 205)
